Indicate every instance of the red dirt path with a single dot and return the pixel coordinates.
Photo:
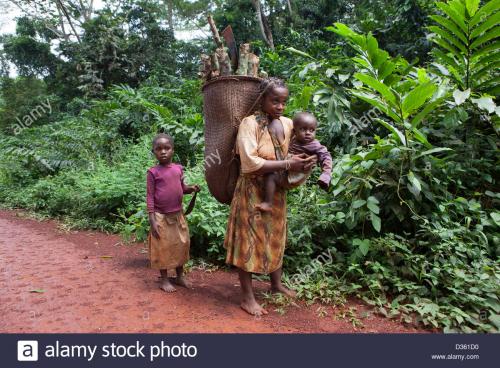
(84, 292)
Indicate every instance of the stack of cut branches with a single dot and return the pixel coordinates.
(227, 59)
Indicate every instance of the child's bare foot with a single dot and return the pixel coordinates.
(264, 207)
(280, 288)
(181, 281)
(167, 286)
(252, 307)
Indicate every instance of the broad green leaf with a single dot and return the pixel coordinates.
(298, 52)
(371, 46)
(487, 50)
(488, 8)
(358, 203)
(489, 23)
(426, 111)
(376, 102)
(377, 86)
(450, 61)
(496, 217)
(459, 7)
(445, 45)
(453, 15)
(395, 132)
(451, 27)
(448, 38)
(372, 204)
(386, 69)
(342, 30)
(363, 245)
(484, 71)
(461, 96)
(432, 151)
(422, 75)
(363, 62)
(376, 222)
(495, 82)
(414, 181)
(495, 319)
(417, 97)
(492, 34)
(492, 195)
(419, 136)
(491, 58)
(472, 6)
(494, 91)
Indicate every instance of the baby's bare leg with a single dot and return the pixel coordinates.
(270, 184)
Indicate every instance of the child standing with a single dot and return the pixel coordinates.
(169, 236)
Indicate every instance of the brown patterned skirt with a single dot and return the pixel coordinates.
(255, 241)
(172, 249)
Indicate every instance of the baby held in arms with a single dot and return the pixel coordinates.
(303, 142)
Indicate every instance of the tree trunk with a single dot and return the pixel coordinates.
(263, 24)
(170, 14)
(65, 12)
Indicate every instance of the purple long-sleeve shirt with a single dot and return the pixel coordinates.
(165, 188)
(315, 148)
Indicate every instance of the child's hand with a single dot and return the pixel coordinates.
(324, 182)
(193, 189)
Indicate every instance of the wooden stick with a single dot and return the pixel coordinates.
(243, 61)
(214, 30)
(224, 61)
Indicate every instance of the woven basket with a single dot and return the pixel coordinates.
(226, 101)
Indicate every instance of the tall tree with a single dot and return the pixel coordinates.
(263, 22)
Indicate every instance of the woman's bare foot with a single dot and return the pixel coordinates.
(280, 288)
(264, 207)
(181, 281)
(252, 307)
(167, 286)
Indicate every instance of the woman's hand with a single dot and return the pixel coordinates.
(302, 163)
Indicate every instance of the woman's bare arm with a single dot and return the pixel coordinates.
(298, 163)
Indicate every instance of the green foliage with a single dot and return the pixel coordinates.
(411, 221)
(467, 36)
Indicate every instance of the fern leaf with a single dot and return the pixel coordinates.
(451, 27)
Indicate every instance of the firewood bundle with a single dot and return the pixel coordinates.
(227, 59)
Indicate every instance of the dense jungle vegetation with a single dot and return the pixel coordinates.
(405, 92)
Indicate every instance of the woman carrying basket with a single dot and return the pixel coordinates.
(255, 240)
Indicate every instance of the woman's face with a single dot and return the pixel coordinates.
(274, 102)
